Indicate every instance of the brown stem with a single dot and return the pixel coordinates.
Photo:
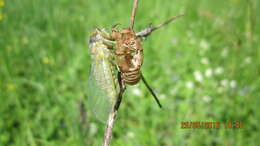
(109, 128)
(148, 30)
(133, 14)
(112, 115)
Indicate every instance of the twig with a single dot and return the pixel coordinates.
(148, 30)
(132, 21)
(112, 115)
(110, 125)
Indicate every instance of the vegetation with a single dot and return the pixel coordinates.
(204, 67)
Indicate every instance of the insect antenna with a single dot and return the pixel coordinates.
(132, 21)
(151, 91)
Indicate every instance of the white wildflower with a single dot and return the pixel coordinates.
(220, 89)
(248, 60)
(219, 70)
(224, 83)
(174, 40)
(224, 52)
(233, 84)
(130, 134)
(198, 76)
(204, 44)
(93, 129)
(162, 96)
(137, 92)
(189, 84)
(206, 98)
(204, 61)
(208, 72)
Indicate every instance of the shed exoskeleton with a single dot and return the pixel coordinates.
(116, 60)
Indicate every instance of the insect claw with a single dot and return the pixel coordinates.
(115, 26)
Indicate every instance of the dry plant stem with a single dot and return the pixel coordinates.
(110, 124)
(112, 115)
(111, 121)
(148, 30)
(132, 21)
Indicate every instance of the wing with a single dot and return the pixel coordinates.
(103, 87)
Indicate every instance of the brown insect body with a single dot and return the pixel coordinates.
(129, 52)
(129, 59)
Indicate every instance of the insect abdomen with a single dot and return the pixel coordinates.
(132, 77)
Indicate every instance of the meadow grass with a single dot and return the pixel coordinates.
(204, 67)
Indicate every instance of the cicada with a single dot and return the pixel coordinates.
(116, 60)
(103, 85)
(106, 80)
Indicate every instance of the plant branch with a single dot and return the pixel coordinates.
(132, 21)
(148, 30)
(112, 115)
(109, 128)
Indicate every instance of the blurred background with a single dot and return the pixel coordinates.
(204, 67)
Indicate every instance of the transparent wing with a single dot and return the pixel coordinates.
(103, 87)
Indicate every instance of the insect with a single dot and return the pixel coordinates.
(117, 58)
(103, 85)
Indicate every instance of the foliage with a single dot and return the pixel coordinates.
(204, 67)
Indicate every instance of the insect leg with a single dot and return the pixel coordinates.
(106, 38)
(104, 34)
(115, 26)
(122, 89)
(151, 91)
(108, 43)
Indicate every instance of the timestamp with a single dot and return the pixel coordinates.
(211, 125)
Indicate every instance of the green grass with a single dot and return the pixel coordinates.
(44, 66)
